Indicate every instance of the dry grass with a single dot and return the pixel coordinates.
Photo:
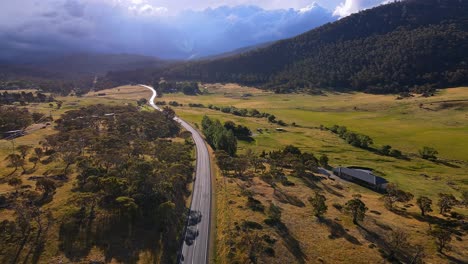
(116, 96)
(399, 128)
(122, 93)
(401, 123)
(349, 244)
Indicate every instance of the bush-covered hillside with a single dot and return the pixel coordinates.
(413, 44)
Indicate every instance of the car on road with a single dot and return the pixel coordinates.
(191, 235)
(194, 217)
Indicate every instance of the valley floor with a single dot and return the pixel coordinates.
(408, 125)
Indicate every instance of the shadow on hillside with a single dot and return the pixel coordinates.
(310, 180)
(246, 139)
(118, 240)
(453, 259)
(433, 220)
(331, 191)
(446, 163)
(283, 197)
(400, 212)
(378, 152)
(290, 242)
(338, 231)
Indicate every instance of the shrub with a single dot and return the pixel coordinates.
(337, 206)
(255, 204)
(251, 225)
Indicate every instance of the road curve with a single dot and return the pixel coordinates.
(197, 253)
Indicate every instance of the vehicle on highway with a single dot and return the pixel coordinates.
(191, 235)
(194, 217)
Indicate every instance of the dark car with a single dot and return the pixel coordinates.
(194, 218)
(191, 235)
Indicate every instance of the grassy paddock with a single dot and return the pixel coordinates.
(404, 124)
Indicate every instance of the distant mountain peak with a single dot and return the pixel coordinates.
(311, 7)
(410, 45)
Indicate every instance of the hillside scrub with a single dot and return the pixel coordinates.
(122, 161)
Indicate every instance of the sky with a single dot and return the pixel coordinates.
(170, 29)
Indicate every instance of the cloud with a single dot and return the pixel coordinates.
(155, 27)
(352, 6)
(74, 8)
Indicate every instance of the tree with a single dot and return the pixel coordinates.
(224, 161)
(272, 119)
(394, 194)
(168, 113)
(69, 157)
(126, 206)
(256, 162)
(365, 141)
(442, 237)
(46, 186)
(14, 118)
(226, 140)
(324, 160)
(424, 204)
(419, 254)
(24, 150)
(385, 150)
(34, 160)
(465, 197)
(142, 101)
(398, 241)
(428, 153)
(357, 209)
(240, 165)
(14, 160)
(318, 205)
(15, 182)
(290, 149)
(446, 202)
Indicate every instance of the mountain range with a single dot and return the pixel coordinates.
(391, 48)
(115, 27)
(412, 45)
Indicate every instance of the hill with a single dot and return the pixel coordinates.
(89, 63)
(413, 44)
(236, 52)
(71, 72)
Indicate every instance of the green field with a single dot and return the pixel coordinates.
(404, 124)
(440, 122)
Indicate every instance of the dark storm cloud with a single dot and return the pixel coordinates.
(74, 8)
(151, 27)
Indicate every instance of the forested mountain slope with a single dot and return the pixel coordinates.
(72, 72)
(413, 44)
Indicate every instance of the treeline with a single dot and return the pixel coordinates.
(364, 141)
(124, 160)
(14, 118)
(187, 88)
(131, 185)
(7, 98)
(244, 112)
(354, 139)
(414, 45)
(303, 164)
(15, 77)
(218, 136)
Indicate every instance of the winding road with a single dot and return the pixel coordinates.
(196, 253)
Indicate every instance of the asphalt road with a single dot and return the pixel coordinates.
(197, 253)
